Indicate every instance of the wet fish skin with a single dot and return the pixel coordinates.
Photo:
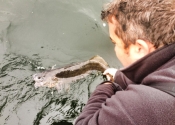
(59, 78)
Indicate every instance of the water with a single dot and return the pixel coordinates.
(42, 33)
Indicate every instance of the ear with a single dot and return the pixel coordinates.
(142, 47)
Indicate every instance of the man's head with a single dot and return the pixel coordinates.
(146, 23)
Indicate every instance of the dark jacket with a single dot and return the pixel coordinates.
(147, 98)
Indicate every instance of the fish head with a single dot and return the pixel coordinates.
(45, 79)
(39, 77)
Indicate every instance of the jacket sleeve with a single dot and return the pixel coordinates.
(93, 113)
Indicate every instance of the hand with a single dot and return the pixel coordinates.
(110, 73)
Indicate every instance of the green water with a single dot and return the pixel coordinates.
(42, 33)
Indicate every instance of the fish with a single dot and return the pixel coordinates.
(60, 77)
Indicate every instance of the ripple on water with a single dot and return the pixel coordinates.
(21, 102)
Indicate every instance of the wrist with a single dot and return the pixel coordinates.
(108, 83)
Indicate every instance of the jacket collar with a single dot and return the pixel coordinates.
(136, 72)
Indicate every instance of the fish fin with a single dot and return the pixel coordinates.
(53, 67)
(99, 59)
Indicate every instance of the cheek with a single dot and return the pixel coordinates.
(121, 56)
(117, 51)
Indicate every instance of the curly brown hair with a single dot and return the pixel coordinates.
(150, 20)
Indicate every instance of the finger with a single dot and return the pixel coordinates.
(106, 71)
(109, 77)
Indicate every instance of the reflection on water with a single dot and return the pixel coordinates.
(42, 33)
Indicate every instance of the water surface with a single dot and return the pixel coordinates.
(42, 33)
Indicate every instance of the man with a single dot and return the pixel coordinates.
(143, 92)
